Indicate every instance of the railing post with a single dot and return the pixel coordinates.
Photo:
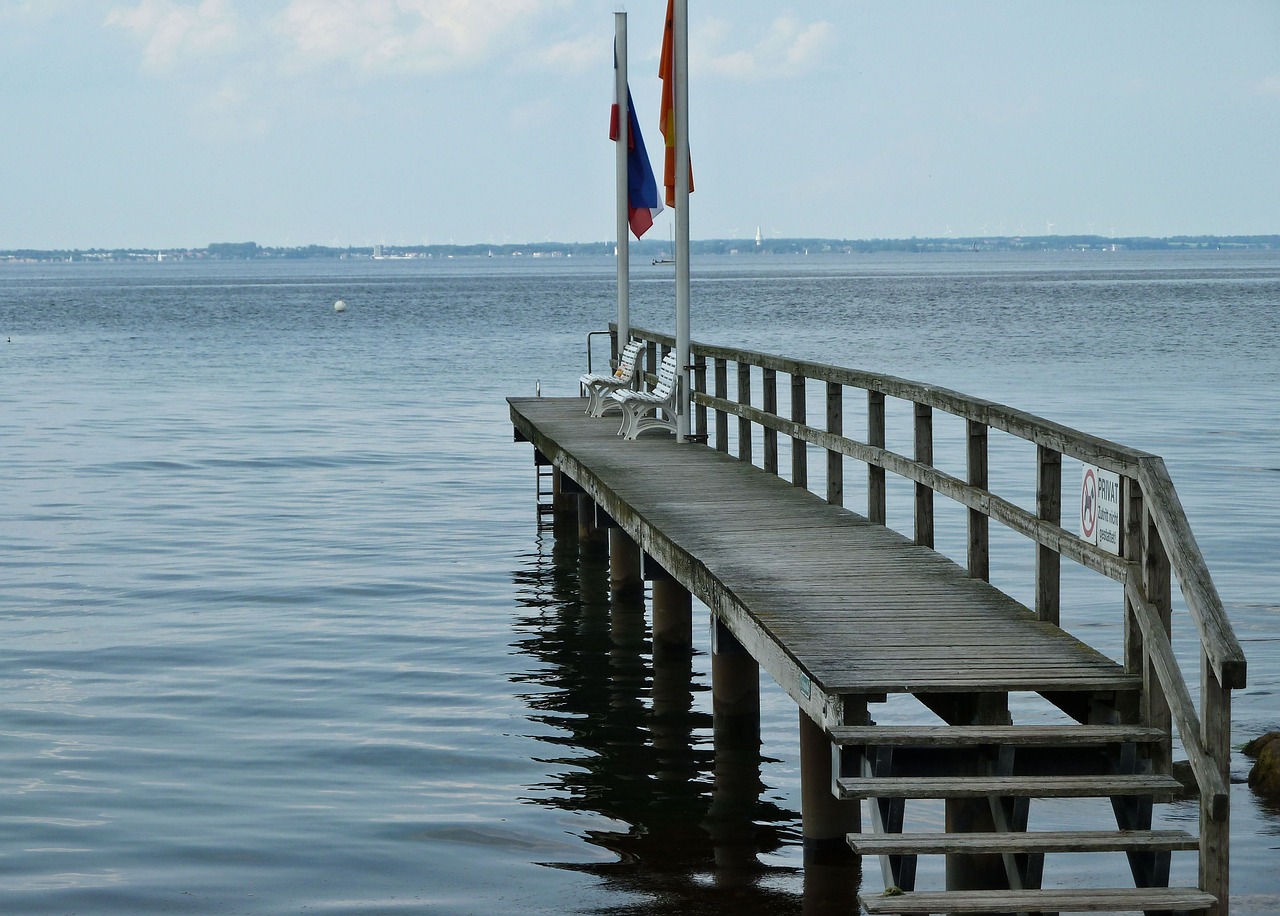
(771, 407)
(700, 384)
(1049, 508)
(799, 448)
(1157, 585)
(1134, 642)
(744, 425)
(1215, 833)
(924, 455)
(877, 504)
(722, 392)
(835, 460)
(979, 537)
(651, 359)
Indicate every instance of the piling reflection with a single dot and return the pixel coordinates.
(686, 796)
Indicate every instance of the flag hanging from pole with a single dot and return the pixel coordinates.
(667, 113)
(643, 203)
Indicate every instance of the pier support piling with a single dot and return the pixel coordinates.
(827, 820)
(672, 606)
(564, 504)
(590, 535)
(735, 702)
(624, 563)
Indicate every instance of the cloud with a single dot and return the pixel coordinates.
(31, 10)
(788, 49)
(172, 32)
(401, 35)
(1270, 86)
(576, 55)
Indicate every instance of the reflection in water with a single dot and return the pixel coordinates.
(692, 823)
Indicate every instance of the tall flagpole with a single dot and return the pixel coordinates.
(620, 164)
(680, 51)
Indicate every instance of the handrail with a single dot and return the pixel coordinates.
(1157, 541)
(1104, 453)
(1203, 602)
(1221, 645)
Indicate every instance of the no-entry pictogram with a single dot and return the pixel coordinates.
(1089, 504)
(1100, 511)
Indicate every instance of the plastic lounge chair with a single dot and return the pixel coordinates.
(598, 385)
(640, 409)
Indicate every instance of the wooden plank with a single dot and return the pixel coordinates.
(1022, 787)
(969, 735)
(1213, 786)
(1221, 646)
(1065, 900)
(1066, 841)
(824, 608)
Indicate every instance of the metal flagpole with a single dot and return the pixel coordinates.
(680, 51)
(620, 164)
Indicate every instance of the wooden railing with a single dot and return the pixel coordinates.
(1157, 545)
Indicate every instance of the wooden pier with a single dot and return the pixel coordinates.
(843, 612)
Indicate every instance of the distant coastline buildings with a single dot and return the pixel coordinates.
(759, 246)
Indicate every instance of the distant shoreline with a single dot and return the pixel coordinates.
(238, 251)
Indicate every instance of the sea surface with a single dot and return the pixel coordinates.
(280, 631)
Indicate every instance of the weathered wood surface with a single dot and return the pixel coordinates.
(1065, 841)
(1067, 900)
(974, 735)
(1017, 786)
(819, 593)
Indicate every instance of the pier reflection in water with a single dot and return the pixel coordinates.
(626, 709)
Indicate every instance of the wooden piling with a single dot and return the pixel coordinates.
(826, 819)
(624, 562)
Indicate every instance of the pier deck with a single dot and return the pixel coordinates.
(842, 611)
(828, 602)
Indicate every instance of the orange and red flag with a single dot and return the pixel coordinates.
(667, 111)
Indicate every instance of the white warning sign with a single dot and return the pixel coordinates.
(1100, 517)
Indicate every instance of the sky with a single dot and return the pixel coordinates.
(177, 123)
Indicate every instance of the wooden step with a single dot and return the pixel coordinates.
(911, 844)
(973, 735)
(1067, 900)
(1022, 786)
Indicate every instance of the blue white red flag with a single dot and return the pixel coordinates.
(643, 202)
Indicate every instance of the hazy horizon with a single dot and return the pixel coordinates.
(412, 122)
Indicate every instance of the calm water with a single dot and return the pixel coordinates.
(280, 633)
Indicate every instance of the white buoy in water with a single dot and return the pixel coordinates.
(340, 306)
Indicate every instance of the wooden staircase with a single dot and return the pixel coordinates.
(1007, 766)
